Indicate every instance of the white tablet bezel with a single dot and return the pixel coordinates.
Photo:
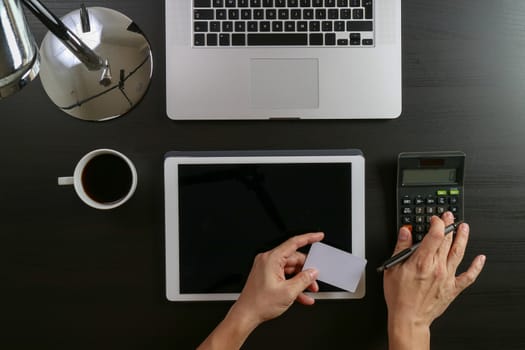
(171, 163)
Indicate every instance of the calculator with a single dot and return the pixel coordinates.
(428, 183)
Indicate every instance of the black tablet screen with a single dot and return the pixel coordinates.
(230, 212)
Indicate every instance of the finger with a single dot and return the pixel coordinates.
(468, 277)
(301, 281)
(433, 239)
(294, 263)
(291, 245)
(457, 251)
(404, 240)
(295, 260)
(305, 299)
(444, 249)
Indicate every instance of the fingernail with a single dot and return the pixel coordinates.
(313, 273)
(482, 259)
(403, 234)
(465, 227)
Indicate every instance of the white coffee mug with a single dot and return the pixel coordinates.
(103, 179)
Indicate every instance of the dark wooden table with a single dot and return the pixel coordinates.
(74, 277)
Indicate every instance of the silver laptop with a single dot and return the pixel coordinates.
(264, 59)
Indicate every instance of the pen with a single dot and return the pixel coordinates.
(405, 254)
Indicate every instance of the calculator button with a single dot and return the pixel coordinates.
(431, 210)
(431, 200)
(441, 210)
(420, 210)
(419, 237)
(406, 200)
(419, 200)
(454, 209)
(407, 211)
(454, 192)
(442, 192)
(407, 220)
(429, 218)
(453, 200)
(442, 200)
(420, 219)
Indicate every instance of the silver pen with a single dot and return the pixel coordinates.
(406, 253)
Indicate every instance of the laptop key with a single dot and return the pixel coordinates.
(224, 39)
(367, 4)
(201, 3)
(277, 26)
(305, 3)
(220, 14)
(357, 14)
(359, 26)
(227, 26)
(198, 40)
(211, 39)
(233, 14)
(200, 26)
(316, 39)
(240, 26)
(329, 39)
(215, 26)
(238, 39)
(265, 26)
(289, 26)
(203, 14)
(277, 39)
(327, 26)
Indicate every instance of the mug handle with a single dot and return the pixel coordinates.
(66, 180)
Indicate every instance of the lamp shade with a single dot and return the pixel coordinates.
(19, 61)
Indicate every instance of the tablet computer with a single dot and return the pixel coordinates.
(223, 208)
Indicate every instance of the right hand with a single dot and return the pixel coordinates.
(420, 289)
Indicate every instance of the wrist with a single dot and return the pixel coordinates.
(232, 332)
(407, 334)
(243, 317)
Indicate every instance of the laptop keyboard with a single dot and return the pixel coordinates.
(294, 23)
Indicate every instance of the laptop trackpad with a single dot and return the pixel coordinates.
(285, 83)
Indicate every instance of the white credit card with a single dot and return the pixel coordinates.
(336, 267)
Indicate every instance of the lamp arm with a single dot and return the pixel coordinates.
(72, 42)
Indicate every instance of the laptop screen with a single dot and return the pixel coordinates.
(229, 213)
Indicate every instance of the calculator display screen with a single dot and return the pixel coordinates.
(429, 177)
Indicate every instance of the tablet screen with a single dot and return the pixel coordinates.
(230, 212)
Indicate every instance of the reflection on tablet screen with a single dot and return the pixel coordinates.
(230, 212)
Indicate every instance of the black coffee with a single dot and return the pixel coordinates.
(107, 178)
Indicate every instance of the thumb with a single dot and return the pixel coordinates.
(301, 281)
(404, 239)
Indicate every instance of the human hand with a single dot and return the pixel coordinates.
(267, 293)
(419, 290)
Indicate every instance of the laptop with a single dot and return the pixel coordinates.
(265, 59)
(222, 208)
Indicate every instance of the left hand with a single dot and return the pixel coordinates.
(267, 293)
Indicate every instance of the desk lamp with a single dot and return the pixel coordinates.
(94, 63)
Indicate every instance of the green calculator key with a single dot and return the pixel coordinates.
(442, 192)
(454, 192)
